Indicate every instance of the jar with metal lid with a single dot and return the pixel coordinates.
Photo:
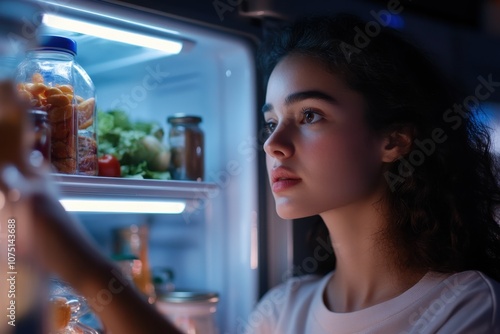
(50, 80)
(192, 312)
(41, 130)
(186, 140)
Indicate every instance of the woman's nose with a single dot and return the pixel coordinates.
(279, 144)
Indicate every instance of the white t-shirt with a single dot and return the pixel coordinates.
(466, 302)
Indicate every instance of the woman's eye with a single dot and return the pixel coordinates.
(269, 127)
(311, 117)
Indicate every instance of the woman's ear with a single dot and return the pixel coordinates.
(397, 143)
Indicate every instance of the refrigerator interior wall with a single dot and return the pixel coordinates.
(212, 245)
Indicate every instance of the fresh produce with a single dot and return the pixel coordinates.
(138, 146)
(109, 166)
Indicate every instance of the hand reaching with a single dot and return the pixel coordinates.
(56, 240)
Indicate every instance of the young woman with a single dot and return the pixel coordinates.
(371, 138)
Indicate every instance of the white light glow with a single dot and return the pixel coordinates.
(165, 45)
(123, 206)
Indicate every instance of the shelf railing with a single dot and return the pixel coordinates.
(107, 187)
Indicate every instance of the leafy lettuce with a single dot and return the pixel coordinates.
(137, 145)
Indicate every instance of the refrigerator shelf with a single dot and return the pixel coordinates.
(108, 187)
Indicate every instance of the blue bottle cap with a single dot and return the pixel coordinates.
(57, 43)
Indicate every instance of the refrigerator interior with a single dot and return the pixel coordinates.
(212, 245)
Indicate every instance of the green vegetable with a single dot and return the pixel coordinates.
(161, 161)
(148, 148)
(137, 145)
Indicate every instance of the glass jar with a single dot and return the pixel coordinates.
(186, 141)
(130, 267)
(41, 131)
(191, 312)
(133, 240)
(50, 80)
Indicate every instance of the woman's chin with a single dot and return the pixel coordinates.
(286, 212)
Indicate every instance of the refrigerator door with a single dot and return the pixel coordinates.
(134, 59)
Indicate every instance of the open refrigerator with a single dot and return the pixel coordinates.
(212, 244)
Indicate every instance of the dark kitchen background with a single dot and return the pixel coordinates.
(463, 36)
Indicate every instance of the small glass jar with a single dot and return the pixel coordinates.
(191, 312)
(41, 130)
(133, 240)
(186, 140)
(50, 80)
(129, 265)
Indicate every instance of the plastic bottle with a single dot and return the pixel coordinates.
(51, 80)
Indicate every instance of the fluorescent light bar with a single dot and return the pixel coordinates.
(168, 46)
(122, 206)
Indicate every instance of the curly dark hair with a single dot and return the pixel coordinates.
(442, 196)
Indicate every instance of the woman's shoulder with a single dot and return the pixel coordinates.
(466, 286)
(473, 280)
(301, 286)
(473, 300)
(288, 301)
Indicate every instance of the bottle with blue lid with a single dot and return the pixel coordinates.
(51, 80)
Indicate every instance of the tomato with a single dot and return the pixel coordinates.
(109, 166)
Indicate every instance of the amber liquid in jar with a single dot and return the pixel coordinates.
(186, 141)
(133, 240)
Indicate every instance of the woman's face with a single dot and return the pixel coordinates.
(321, 154)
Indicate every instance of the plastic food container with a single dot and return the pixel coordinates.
(50, 80)
(66, 309)
(192, 312)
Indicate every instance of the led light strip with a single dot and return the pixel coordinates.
(165, 45)
(123, 206)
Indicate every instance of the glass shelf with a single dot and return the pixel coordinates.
(109, 187)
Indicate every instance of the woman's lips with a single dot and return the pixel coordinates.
(284, 184)
(282, 179)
